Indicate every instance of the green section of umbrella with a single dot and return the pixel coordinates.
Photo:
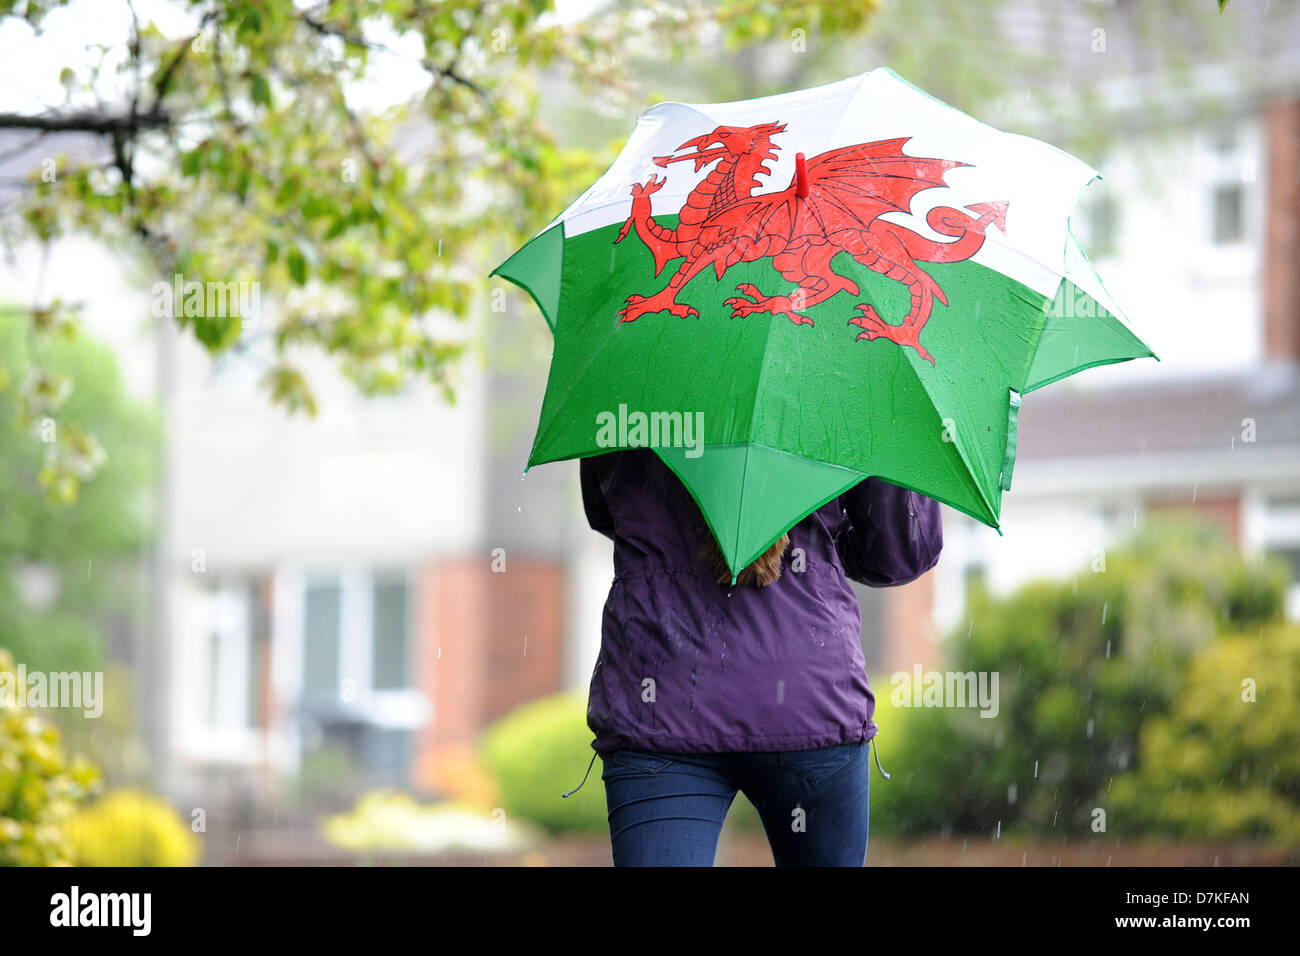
(854, 408)
(767, 406)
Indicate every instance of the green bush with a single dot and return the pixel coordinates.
(1222, 764)
(1083, 664)
(934, 774)
(540, 751)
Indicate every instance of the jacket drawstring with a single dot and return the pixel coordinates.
(876, 754)
(584, 778)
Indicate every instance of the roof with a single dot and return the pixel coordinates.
(1208, 413)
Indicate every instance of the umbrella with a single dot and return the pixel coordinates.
(785, 295)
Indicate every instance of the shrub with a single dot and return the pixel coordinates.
(1222, 764)
(934, 783)
(38, 787)
(1083, 665)
(540, 751)
(395, 821)
(131, 828)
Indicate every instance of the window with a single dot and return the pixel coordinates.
(1292, 557)
(1228, 176)
(358, 681)
(322, 622)
(1228, 218)
(386, 752)
(1280, 523)
(229, 683)
(390, 666)
(214, 677)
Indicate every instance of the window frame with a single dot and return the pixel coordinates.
(406, 708)
(1243, 166)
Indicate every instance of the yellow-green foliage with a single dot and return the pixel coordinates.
(39, 787)
(1119, 690)
(395, 821)
(1222, 764)
(131, 828)
(540, 751)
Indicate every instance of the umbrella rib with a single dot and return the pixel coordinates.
(957, 442)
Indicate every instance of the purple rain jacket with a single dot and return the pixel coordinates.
(688, 665)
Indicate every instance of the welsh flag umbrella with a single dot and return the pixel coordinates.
(785, 295)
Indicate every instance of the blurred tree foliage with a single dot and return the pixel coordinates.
(67, 550)
(248, 147)
(1106, 687)
(39, 787)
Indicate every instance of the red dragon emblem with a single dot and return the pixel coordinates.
(832, 205)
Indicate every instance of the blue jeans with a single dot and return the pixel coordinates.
(668, 809)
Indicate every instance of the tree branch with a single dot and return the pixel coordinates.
(96, 123)
(447, 72)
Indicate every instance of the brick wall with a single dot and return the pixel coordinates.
(471, 655)
(526, 614)
(1282, 243)
(909, 627)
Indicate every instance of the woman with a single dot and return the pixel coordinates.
(703, 689)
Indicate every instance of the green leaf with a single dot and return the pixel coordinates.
(288, 189)
(297, 267)
(261, 89)
(217, 332)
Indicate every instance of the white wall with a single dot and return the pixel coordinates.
(1196, 304)
(385, 480)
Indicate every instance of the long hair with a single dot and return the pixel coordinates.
(765, 569)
